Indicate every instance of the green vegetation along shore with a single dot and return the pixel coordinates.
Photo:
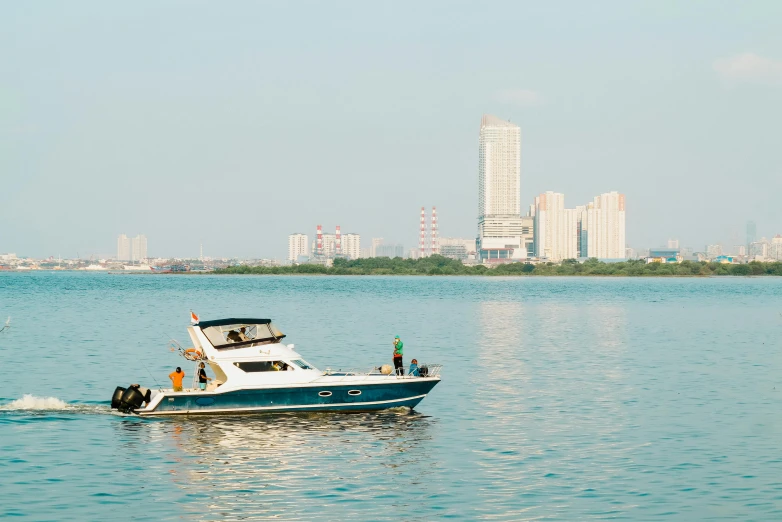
(439, 265)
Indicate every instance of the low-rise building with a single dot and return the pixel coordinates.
(664, 255)
(713, 251)
(457, 247)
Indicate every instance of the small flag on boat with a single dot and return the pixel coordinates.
(193, 317)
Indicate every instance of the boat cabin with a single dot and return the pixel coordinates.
(240, 333)
(246, 351)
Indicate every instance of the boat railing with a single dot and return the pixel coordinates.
(424, 370)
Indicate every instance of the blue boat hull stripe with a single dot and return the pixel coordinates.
(284, 407)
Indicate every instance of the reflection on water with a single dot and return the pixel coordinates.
(547, 390)
(265, 466)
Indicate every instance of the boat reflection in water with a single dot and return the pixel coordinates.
(278, 465)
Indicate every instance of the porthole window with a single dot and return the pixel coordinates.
(354, 392)
(325, 394)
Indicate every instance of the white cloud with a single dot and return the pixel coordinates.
(519, 97)
(749, 68)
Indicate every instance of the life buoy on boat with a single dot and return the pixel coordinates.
(191, 354)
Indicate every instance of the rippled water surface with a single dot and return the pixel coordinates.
(561, 399)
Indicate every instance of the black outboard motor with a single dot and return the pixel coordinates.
(131, 398)
(117, 397)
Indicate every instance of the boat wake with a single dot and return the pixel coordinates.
(31, 403)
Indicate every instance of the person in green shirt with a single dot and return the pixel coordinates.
(398, 352)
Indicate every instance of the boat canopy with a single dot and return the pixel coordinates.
(240, 333)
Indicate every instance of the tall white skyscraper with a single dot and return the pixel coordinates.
(139, 248)
(298, 245)
(499, 169)
(499, 190)
(123, 248)
(351, 245)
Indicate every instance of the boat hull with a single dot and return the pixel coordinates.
(326, 397)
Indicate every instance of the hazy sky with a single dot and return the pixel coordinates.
(237, 123)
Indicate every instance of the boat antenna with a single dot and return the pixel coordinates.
(160, 386)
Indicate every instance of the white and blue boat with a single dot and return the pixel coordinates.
(254, 372)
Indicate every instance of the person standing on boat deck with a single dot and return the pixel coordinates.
(202, 378)
(398, 352)
(176, 378)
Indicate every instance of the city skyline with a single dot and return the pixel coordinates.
(352, 126)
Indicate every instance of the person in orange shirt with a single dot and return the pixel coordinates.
(176, 378)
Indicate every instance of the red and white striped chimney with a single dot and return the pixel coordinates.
(422, 237)
(319, 249)
(338, 242)
(435, 244)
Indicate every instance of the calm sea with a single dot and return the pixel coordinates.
(561, 399)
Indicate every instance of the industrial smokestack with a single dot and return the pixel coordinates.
(422, 237)
(435, 239)
(319, 248)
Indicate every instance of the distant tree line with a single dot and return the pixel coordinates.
(439, 265)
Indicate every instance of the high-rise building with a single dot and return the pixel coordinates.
(593, 230)
(376, 242)
(139, 248)
(123, 248)
(752, 233)
(759, 250)
(605, 228)
(499, 169)
(556, 234)
(673, 243)
(351, 245)
(298, 246)
(775, 249)
(499, 191)
(328, 245)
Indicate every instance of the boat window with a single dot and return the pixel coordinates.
(303, 365)
(261, 366)
(242, 335)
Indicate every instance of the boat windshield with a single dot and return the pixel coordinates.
(302, 364)
(242, 335)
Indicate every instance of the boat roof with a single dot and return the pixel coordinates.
(232, 320)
